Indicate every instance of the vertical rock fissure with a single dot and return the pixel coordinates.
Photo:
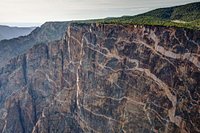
(62, 69)
(62, 60)
(77, 75)
(68, 42)
(20, 117)
(47, 51)
(5, 125)
(77, 89)
(24, 68)
(31, 93)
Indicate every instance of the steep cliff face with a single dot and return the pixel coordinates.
(105, 78)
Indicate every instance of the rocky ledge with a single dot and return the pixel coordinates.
(105, 78)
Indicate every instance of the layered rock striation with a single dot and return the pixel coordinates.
(105, 78)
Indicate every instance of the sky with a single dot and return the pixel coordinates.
(36, 12)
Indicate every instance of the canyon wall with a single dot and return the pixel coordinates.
(105, 78)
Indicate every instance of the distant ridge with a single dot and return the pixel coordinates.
(7, 32)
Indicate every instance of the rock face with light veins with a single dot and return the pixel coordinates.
(105, 78)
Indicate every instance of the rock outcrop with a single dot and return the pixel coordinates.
(105, 78)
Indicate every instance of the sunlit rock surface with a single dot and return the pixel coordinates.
(105, 78)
